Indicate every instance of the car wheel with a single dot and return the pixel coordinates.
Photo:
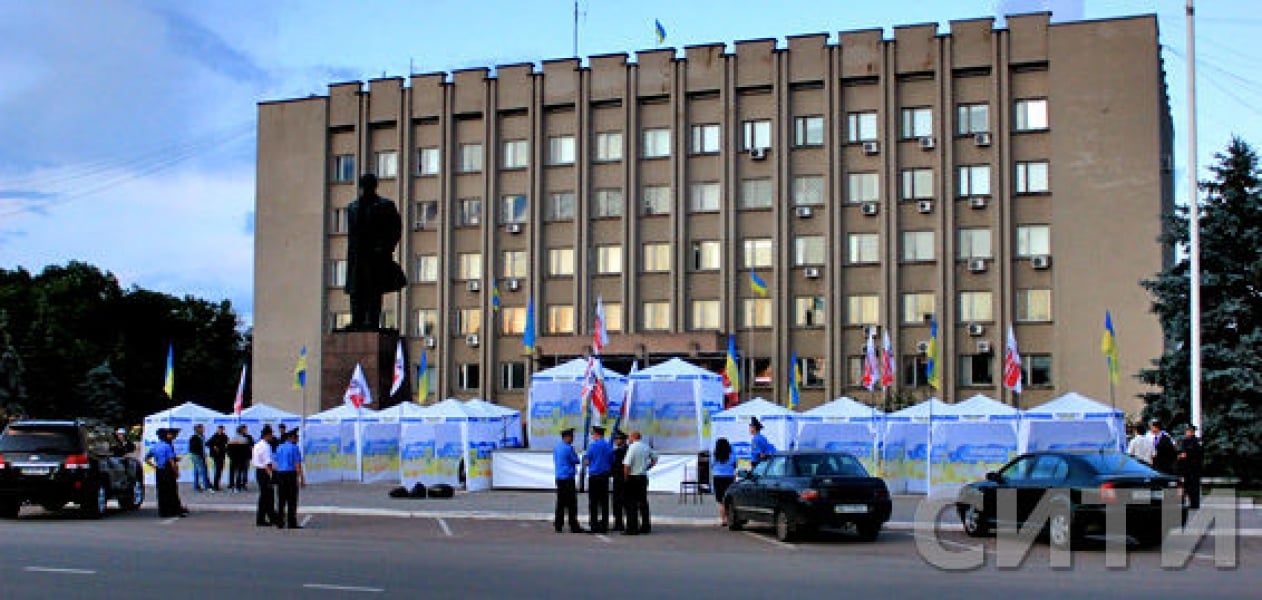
(134, 497)
(1060, 528)
(974, 522)
(734, 523)
(93, 505)
(9, 509)
(784, 526)
(868, 531)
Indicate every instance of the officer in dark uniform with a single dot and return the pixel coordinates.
(618, 478)
(1191, 456)
(565, 460)
(1164, 452)
(599, 460)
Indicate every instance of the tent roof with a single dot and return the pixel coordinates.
(402, 410)
(675, 368)
(265, 412)
(1074, 403)
(492, 409)
(933, 406)
(757, 407)
(449, 408)
(573, 370)
(188, 410)
(844, 407)
(981, 405)
(342, 412)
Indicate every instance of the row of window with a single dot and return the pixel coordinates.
(1029, 114)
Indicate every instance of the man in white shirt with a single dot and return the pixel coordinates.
(640, 458)
(1141, 445)
(263, 464)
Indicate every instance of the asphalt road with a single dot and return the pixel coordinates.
(218, 555)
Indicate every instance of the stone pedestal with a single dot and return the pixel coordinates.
(373, 350)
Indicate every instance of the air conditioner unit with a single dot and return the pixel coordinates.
(871, 148)
(812, 273)
(982, 138)
(927, 143)
(513, 284)
(471, 339)
(925, 206)
(418, 225)
(976, 329)
(922, 347)
(473, 285)
(871, 208)
(977, 201)
(430, 342)
(758, 153)
(983, 347)
(513, 228)
(1041, 261)
(805, 212)
(977, 265)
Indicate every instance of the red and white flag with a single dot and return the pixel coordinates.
(887, 361)
(239, 404)
(871, 371)
(396, 380)
(600, 335)
(1012, 364)
(357, 392)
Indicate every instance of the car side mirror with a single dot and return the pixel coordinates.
(995, 477)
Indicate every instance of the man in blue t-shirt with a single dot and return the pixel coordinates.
(288, 462)
(760, 447)
(599, 461)
(166, 464)
(565, 459)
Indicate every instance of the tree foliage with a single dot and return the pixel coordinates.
(1231, 318)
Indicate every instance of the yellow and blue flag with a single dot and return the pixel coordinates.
(933, 366)
(661, 32)
(731, 376)
(757, 284)
(422, 379)
(795, 382)
(1108, 345)
(528, 340)
(168, 382)
(495, 294)
(300, 370)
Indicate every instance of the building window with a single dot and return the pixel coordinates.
(426, 322)
(918, 246)
(861, 127)
(808, 131)
(337, 272)
(813, 371)
(917, 122)
(976, 370)
(1034, 305)
(864, 248)
(974, 243)
(516, 154)
(976, 307)
(707, 255)
(757, 134)
(913, 368)
(705, 139)
(426, 270)
(655, 200)
(560, 318)
(561, 206)
(425, 215)
(1034, 240)
(608, 260)
(470, 214)
(757, 253)
(607, 203)
(972, 118)
(917, 184)
(808, 311)
(756, 193)
(863, 309)
(656, 143)
(705, 197)
(470, 158)
(1037, 370)
(863, 187)
(339, 220)
(428, 161)
(656, 258)
(854, 370)
(561, 262)
(1032, 177)
(974, 180)
(387, 164)
(469, 376)
(344, 168)
(756, 312)
(469, 266)
(809, 250)
(808, 190)
(512, 376)
(705, 314)
(1030, 114)
(516, 264)
(609, 146)
(656, 316)
(613, 316)
(513, 209)
(469, 321)
(917, 307)
(561, 150)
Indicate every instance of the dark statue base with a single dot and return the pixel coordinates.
(373, 350)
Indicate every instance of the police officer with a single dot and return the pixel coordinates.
(162, 458)
(1191, 455)
(1163, 449)
(640, 458)
(264, 465)
(760, 448)
(289, 478)
(618, 476)
(565, 459)
(599, 461)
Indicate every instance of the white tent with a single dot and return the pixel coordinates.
(512, 433)
(671, 405)
(905, 444)
(845, 425)
(182, 417)
(330, 448)
(404, 411)
(982, 438)
(779, 426)
(258, 415)
(555, 402)
(1072, 422)
(478, 436)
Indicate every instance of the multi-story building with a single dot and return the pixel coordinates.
(982, 179)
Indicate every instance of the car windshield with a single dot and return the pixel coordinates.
(811, 465)
(59, 439)
(1116, 463)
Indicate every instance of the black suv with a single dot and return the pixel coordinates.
(54, 463)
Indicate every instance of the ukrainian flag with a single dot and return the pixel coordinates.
(933, 366)
(422, 379)
(661, 31)
(757, 284)
(730, 369)
(300, 370)
(168, 382)
(795, 382)
(495, 294)
(1108, 345)
(528, 340)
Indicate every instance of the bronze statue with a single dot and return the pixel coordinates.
(374, 226)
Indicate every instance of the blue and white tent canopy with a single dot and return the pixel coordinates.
(343, 412)
(842, 410)
(983, 408)
(1073, 422)
(556, 400)
(779, 425)
(672, 403)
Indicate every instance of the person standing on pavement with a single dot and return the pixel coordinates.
(640, 458)
(722, 473)
(618, 477)
(1164, 451)
(197, 454)
(239, 449)
(264, 465)
(599, 461)
(162, 458)
(1189, 462)
(289, 478)
(217, 445)
(1140, 445)
(564, 460)
(760, 448)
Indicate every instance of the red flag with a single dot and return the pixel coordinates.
(870, 369)
(239, 404)
(600, 335)
(887, 361)
(357, 391)
(396, 380)
(1012, 364)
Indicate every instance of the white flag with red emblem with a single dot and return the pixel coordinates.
(357, 393)
(871, 371)
(1012, 364)
(239, 404)
(600, 334)
(887, 361)
(396, 380)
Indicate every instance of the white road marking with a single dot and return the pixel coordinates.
(305, 519)
(170, 521)
(443, 523)
(772, 541)
(342, 588)
(58, 570)
(604, 538)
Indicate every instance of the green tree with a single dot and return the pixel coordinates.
(102, 393)
(12, 390)
(1231, 318)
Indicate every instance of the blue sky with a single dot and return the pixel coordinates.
(127, 127)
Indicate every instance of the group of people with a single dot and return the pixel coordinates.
(617, 475)
(277, 461)
(1184, 457)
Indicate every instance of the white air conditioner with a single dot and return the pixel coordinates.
(473, 285)
(977, 265)
(758, 153)
(922, 347)
(805, 212)
(430, 342)
(983, 347)
(982, 138)
(513, 284)
(471, 339)
(927, 142)
(871, 208)
(812, 272)
(1041, 261)
(871, 148)
(925, 206)
(976, 329)
(513, 228)
(977, 201)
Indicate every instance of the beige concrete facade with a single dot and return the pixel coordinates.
(986, 177)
